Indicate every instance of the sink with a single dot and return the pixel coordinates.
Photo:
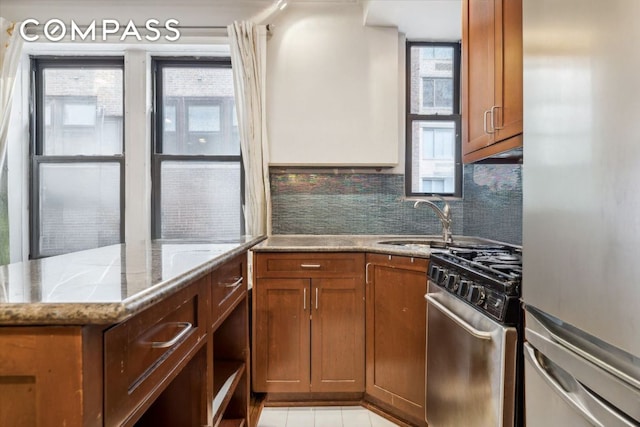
(416, 244)
(438, 245)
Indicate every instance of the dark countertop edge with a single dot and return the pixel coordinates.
(75, 314)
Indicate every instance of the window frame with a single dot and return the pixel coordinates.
(158, 63)
(455, 117)
(37, 119)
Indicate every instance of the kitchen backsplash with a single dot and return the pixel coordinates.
(371, 203)
(493, 202)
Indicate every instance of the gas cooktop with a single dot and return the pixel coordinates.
(485, 276)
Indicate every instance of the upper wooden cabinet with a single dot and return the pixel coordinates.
(491, 77)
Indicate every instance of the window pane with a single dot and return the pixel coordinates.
(79, 206)
(169, 118)
(431, 66)
(201, 100)
(83, 111)
(200, 200)
(443, 97)
(79, 113)
(433, 156)
(204, 118)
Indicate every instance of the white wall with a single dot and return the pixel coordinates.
(332, 88)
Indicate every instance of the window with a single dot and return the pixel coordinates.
(433, 164)
(77, 158)
(197, 168)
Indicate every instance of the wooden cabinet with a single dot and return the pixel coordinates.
(145, 353)
(308, 323)
(229, 344)
(396, 334)
(491, 77)
(282, 335)
(183, 361)
(50, 376)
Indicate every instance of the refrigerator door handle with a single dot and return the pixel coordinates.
(540, 319)
(581, 399)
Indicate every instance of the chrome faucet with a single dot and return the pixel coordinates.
(444, 215)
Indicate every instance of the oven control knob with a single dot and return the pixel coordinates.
(476, 295)
(435, 272)
(443, 277)
(464, 287)
(453, 282)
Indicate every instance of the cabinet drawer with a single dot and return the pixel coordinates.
(396, 261)
(144, 353)
(308, 264)
(228, 284)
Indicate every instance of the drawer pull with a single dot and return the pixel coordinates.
(310, 265)
(231, 285)
(186, 327)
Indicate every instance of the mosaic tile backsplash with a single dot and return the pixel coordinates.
(367, 203)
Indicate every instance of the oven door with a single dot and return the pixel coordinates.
(471, 365)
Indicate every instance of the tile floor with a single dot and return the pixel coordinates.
(322, 416)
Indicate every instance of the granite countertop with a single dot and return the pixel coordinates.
(106, 285)
(356, 243)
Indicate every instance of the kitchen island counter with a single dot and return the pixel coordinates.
(106, 285)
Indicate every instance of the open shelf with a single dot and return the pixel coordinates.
(227, 376)
(232, 423)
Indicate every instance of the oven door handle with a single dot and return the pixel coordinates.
(461, 322)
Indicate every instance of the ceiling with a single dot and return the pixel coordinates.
(438, 20)
(429, 20)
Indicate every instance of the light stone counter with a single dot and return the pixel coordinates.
(357, 243)
(106, 285)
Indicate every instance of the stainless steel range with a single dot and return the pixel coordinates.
(474, 337)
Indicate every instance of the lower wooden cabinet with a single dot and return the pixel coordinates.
(308, 331)
(182, 362)
(145, 353)
(50, 376)
(396, 335)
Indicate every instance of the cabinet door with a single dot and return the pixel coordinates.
(491, 76)
(41, 378)
(396, 336)
(508, 67)
(478, 71)
(281, 326)
(337, 333)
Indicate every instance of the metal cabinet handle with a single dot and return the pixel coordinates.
(493, 118)
(304, 299)
(310, 265)
(186, 327)
(231, 285)
(366, 273)
(316, 298)
(463, 324)
(484, 124)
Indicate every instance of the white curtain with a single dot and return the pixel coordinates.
(10, 48)
(248, 58)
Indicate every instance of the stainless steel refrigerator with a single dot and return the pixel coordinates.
(581, 220)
